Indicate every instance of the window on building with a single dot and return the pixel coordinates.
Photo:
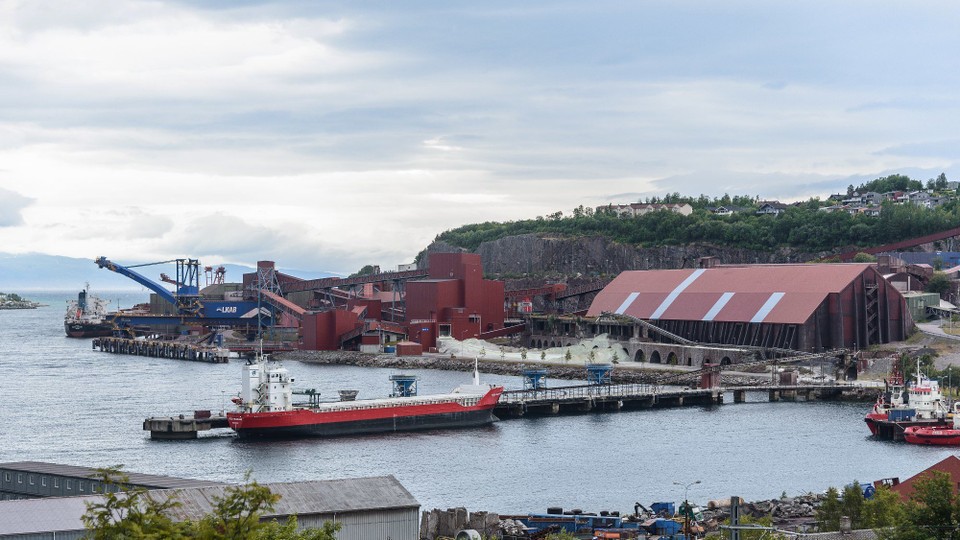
(70, 485)
(32, 479)
(6, 477)
(56, 482)
(19, 477)
(43, 481)
(82, 485)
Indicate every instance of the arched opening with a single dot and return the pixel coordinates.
(639, 357)
(725, 361)
(596, 346)
(689, 361)
(539, 344)
(672, 359)
(655, 357)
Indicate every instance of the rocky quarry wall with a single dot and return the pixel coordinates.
(546, 254)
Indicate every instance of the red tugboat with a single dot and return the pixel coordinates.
(266, 408)
(901, 407)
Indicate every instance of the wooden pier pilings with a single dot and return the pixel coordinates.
(162, 349)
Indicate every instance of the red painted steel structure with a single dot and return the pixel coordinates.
(806, 307)
(454, 300)
(896, 246)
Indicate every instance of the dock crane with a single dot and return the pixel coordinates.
(187, 297)
(187, 301)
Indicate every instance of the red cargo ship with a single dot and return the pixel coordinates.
(267, 409)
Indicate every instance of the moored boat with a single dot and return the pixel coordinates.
(266, 408)
(87, 316)
(901, 406)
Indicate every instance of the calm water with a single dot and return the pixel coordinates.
(64, 403)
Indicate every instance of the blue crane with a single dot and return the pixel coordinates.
(187, 301)
(187, 297)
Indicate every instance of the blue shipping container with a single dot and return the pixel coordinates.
(901, 415)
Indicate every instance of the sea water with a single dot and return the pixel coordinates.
(63, 402)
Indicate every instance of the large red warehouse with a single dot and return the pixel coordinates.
(808, 307)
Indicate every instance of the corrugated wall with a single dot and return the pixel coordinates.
(403, 524)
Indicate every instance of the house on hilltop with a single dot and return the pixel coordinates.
(639, 209)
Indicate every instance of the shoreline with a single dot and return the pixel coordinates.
(623, 373)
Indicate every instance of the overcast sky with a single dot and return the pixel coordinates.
(327, 135)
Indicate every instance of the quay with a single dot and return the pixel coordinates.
(162, 349)
(578, 399)
(615, 397)
(183, 427)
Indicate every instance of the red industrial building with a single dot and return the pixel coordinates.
(809, 307)
(454, 300)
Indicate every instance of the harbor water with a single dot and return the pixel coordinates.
(66, 403)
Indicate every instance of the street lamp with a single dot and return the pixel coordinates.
(686, 506)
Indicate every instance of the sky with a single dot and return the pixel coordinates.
(329, 135)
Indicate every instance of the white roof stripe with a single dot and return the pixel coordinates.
(626, 303)
(767, 307)
(676, 292)
(722, 301)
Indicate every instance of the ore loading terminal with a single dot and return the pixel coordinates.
(706, 320)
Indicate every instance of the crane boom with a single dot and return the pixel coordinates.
(187, 299)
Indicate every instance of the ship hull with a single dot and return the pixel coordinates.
(85, 330)
(370, 416)
(463, 419)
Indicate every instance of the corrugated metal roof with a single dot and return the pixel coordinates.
(780, 294)
(74, 471)
(315, 497)
(302, 498)
(31, 516)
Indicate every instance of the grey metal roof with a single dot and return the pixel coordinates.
(301, 498)
(30, 516)
(74, 471)
(314, 497)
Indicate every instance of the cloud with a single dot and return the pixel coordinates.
(12, 205)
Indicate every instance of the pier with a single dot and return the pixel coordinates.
(616, 397)
(561, 400)
(162, 349)
(183, 427)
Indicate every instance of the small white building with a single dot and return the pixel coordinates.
(639, 209)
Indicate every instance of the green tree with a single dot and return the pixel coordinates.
(367, 270)
(933, 511)
(135, 514)
(864, 258)
(130, 513)
(852, 502)
(828, 515)
(882, 510)
(939, 283)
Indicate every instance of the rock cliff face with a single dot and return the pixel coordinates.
(515, 256)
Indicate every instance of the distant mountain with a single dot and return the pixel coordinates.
(35, 271)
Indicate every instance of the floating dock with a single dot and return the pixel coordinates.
(162, 349)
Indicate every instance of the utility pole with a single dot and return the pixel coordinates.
(686, 507)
